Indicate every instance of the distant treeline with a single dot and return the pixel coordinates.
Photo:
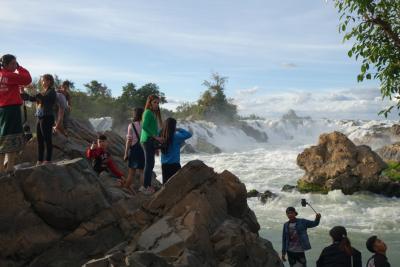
(96, 101)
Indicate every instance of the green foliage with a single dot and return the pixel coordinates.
(96, 89)
(213, 104)
(132, 97)
(392, 171)
(305, 187)
(374, 26)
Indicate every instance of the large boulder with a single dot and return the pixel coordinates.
(337, 163)
(63, 214)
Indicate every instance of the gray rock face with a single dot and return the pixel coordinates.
(337, 163)
(203, 146)
(188, 149)
(63, 214)
(252, 132)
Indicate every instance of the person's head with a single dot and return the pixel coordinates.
(65, 85)
(291, 213)
(375, 245)
(8, 62)
(47, 81)
(102, 141)
(339, 235)
(153, 103)
(137, 114)
(167, 132)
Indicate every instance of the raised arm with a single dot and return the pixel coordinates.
(21, 78)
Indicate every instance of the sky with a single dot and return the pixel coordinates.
(277, 55)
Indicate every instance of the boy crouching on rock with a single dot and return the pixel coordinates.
(101, 159)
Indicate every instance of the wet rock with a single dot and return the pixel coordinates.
(337, 163)
(259, 136)
(204, 146)
(289, 188)
(263, 197)
(187, 149)
(252, 193)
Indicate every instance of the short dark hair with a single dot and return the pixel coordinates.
(6, 59)
(370, 243)
(101, 137)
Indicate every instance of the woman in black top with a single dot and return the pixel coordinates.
(45, 114)
(340, 253)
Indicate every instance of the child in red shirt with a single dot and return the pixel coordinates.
(101, 159)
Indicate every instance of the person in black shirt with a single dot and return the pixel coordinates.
(45, 117)
(340, 253)
(377, 246)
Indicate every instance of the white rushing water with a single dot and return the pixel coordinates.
(269, 166)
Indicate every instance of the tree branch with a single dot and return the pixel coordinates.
(386, 28)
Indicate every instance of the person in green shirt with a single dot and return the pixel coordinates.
(151, 122)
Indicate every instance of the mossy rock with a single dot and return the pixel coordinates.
(392, 171)
(305, 187)
(253, 193)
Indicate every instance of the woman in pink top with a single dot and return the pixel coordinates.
(133, 150)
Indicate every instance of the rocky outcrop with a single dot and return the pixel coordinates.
(377, 135)
(337, 163)
(80, 136)
(259, 136)
(263, 197)
(292, 118)
(63, 214)
(206, 147)
(187, 149)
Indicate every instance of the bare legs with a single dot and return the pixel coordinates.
(10, 162)
(131, 174)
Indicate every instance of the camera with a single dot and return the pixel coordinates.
(27, 132)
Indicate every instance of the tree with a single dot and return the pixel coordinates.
(149, 89)
(213, 104)
(374, 25)
(96, 89)
(132, 97)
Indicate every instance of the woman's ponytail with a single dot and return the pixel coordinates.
(339, 234)
(345, 246)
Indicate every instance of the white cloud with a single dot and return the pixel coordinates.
(349, 104)
(248, 91)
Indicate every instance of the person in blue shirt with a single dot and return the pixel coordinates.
(170, 153)
(295, 238)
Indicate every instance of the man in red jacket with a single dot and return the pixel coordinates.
(12, 78)
(101, 159)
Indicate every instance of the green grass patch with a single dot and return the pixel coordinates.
(305, 187)
(392, 171)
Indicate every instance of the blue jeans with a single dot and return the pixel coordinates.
(149, 154)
